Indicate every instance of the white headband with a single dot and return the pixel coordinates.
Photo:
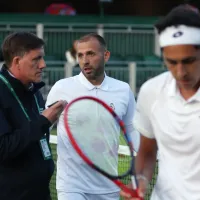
(179, 35)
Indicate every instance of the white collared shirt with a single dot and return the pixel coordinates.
(162, 113)
(73, 175)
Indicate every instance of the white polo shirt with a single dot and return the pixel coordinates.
(163, 114)
(73, 175)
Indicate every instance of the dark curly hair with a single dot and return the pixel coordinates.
(184, 14)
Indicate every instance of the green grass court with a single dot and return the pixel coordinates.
(122, 158)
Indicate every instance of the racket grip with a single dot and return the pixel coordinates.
(133, 193)
(135, 187)
(134, 183)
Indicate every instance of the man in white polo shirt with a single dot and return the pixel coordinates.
(168, 112)
(75, 180)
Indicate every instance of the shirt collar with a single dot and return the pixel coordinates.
(174, 91)
(195, 97)
(11, 74)
(83, 80)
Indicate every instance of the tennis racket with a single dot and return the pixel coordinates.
(96, 132)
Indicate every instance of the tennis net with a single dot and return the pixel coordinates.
(123, 152)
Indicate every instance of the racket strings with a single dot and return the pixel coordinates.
(98, 135)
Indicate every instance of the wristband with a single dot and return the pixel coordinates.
(140, 176)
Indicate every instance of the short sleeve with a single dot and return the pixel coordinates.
(142, 122)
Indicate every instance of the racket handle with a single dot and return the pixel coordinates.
(132, 192)
(134, 183)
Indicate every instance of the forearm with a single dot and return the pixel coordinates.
(146, 157)
(145, 165)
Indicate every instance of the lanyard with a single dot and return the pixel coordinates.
(17, 98)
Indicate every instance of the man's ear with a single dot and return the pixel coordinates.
(106, 55)
(16, 61)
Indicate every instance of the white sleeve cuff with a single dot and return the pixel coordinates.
(143, 132)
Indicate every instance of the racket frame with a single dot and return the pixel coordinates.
(115, 179)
